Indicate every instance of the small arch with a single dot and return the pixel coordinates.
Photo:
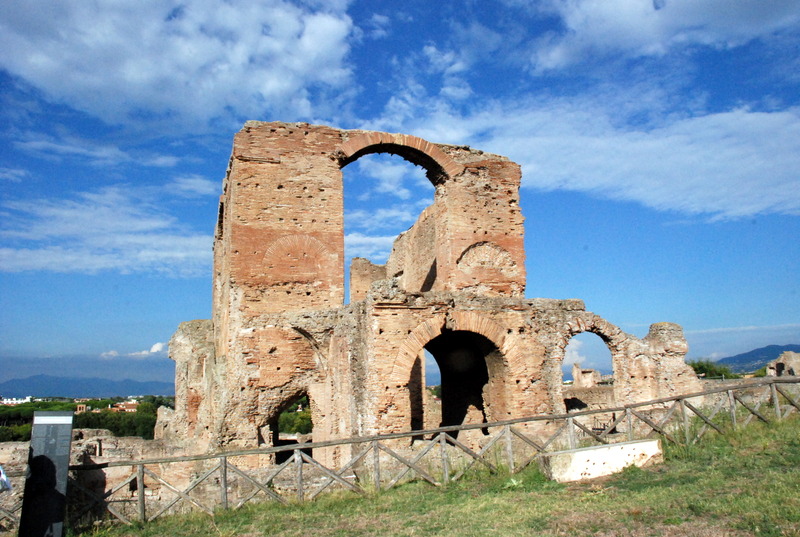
(291, 424)
(436, 162)
(590, 360)
(485, 253)
(612, 336)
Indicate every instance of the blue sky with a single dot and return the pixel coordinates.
(659, 140)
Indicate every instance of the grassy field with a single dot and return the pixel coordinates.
(746, 483)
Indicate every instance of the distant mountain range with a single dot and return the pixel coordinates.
(756, 359)
(47, 386)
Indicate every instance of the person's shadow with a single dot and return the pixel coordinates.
(42, 505)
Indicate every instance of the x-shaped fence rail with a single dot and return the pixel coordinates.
(230, 480)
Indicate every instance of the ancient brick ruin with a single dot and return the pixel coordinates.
(787, 364)
(454, 286)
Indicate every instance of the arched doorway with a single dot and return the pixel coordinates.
(588, 373)
(291, 424)
(471, 369)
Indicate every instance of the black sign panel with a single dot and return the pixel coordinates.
(45, 500)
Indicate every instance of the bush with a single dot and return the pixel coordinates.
(295, 422)
(120, 423)
(16, 433)
(710, 369)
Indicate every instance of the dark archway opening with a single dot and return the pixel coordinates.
(292, 425)
(573, 403)
(464, 360)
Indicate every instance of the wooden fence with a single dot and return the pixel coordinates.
(141, 492)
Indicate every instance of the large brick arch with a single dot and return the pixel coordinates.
(615, 339)
(394, 407)
(415, 150)
(465, 321)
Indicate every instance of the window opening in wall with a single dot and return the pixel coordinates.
(384, 195)
(590, 352)
(467, 362)
(589, 377)
(292, 425)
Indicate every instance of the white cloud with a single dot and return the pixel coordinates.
(97, 155)
(598, 28)
(164, 61)
(376, 249)
(193, 186)
(157, 348)
(572, 354)
(109, 229)
(739, 329)
(588, 351)
(393, 218)
(161, 161)
(15, 175)
(726, 165)
(378, 26)
(109, 354)
(92, 152)
(384, 174)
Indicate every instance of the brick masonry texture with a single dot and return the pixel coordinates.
(454, 286)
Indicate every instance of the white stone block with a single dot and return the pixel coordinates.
(598, 461)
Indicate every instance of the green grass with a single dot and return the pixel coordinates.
(745, 483)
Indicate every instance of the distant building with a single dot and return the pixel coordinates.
(11, 401)
(584, 378)
(125, 406)
(787, 364)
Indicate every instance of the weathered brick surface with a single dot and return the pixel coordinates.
(454, 286)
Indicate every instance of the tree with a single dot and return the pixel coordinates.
(708, 369)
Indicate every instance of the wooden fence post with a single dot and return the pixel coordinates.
(775, 401)
(445, 464)
(140, 492)
(376, 465)
(732, 403)
(685, 417)
(629, 421)
(509, 448)
(223, 478)
(571, 433)
(298, 465)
